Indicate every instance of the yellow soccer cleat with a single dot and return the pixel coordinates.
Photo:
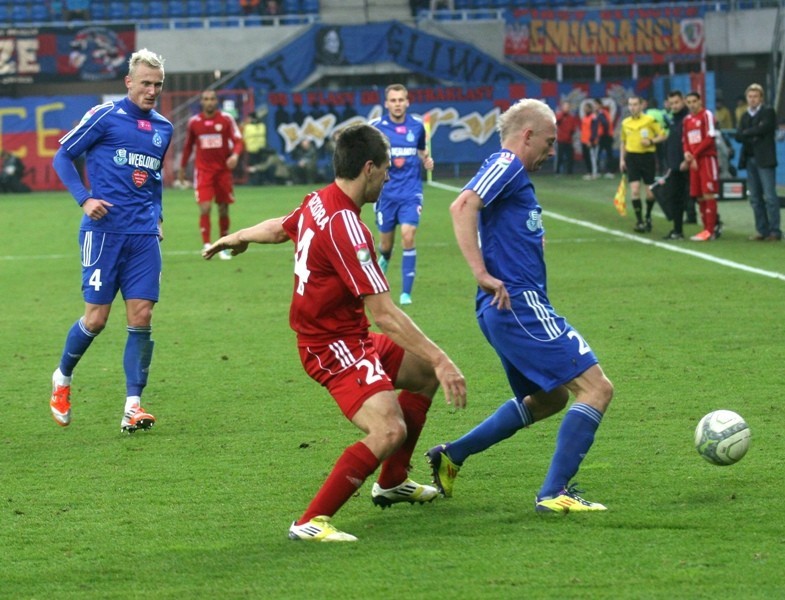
(567, 501)
(319, 529)
(443, 469)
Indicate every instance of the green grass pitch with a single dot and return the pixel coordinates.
(199, 506)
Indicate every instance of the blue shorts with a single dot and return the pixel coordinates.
(119, 261)
(392, 212)
(538, 349)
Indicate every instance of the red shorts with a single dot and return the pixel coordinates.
(354, 370)
(705, 180)
(214, 184)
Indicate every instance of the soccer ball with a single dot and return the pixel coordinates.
(722, 437)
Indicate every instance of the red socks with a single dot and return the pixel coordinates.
(223, 225)
(395, 468)
(204, 227)
(353, 467)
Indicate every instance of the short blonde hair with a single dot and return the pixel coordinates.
(527, 112)
(146, 57)
(754, 87)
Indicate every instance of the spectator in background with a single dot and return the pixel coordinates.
(723, 116)
(11, 175)
(76, 10)
(741, 108)
(567, 123)
(757, 128)
(255, 140)
(305, 156)
(250, 7)
(273, 8)
(605, 160)
(589, 140)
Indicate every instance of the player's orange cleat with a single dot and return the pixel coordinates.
(60, 404)
(135, 419)
(703, 236)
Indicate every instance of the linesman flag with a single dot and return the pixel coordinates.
(620, 199)
(426, 121)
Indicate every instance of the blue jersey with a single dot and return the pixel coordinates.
(510, 226)
(125, 148)
(406, 139)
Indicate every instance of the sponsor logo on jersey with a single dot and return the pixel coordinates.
(363, 253)
(143, 160)
(400, 129)
(120, 157)
(399, 162)
(402, 151)
(139, 176)
(534, 222)
(143, 125)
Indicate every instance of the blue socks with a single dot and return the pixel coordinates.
(408, 269)
(575, 437)
(137, 358)
(77, 342)
(508, 418)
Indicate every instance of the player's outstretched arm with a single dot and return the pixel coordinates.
(270, 231)
(399, 327)
(465, 210)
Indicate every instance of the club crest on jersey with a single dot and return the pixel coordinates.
(139, 176)
(143, 125)
(410, 137)
(363, 253)
(121, 157)
(534, 222)
(218, 127)
(157, 140)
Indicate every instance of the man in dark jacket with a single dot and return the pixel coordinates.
(677, 183)
(758, 155)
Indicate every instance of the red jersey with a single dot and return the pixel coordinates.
(216, 138)
(334, 267)
(698, 134)
(566, 126)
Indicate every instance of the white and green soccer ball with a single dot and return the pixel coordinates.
(722, 437)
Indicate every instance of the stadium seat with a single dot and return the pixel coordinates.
(290, 7)
(20, 14)
(99, 11)
(5, 13)
(175, 9)
(215, 8)
(39, 13)
(118, 11)
(310, 7)
(155, 10)
(137, 10)
(194, 8)
(462, 4)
